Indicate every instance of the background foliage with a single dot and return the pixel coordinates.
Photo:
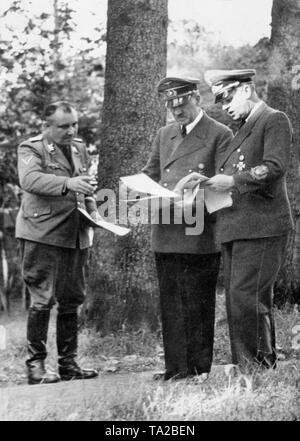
(40, 62)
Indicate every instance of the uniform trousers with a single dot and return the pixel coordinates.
(53, 274)
(250, 270)
(187, 285)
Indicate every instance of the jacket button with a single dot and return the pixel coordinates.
(35, 215)
(167, 170)
(165, 184)
(221, 170)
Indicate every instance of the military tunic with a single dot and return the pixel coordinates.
(187, 265)
(54, 240)
(254, 231)
(48, 214)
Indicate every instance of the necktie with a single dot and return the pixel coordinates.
(67, 152)
(183, 131)
(242, 122)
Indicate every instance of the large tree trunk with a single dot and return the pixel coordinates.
(284, 94)
(122, 279)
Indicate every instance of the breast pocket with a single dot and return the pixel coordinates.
(52, 165)
(54, 168)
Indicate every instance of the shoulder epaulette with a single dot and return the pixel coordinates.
(36, 138)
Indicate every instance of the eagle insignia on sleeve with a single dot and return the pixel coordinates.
(259, 172)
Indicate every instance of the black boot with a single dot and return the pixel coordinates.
(37, 329)
(66, 335)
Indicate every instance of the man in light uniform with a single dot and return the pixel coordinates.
(53, 174)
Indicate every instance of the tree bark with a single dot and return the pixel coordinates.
(122, 280)
(284, 94)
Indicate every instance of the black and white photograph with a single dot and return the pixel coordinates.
(150, 213)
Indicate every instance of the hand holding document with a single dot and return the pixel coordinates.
(221, 182)
(215, 199)
(190, 182)
(116, 229)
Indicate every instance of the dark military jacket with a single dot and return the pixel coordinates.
(174, 157)
(258, 159)
(48, 213)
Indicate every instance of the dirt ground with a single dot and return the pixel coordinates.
(113, 389)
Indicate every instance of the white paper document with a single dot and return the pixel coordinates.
(117, 229)
(216, 200)
(138, 198)
(143, 184)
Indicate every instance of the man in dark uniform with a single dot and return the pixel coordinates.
(53, 174)
(254, 230)
(187, 265)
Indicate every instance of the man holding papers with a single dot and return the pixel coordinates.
(53, 174)
(187, 265)
(254, 231)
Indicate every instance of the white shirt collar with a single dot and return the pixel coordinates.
(254, 109)
(190, 126)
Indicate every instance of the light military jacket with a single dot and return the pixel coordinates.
(48, 212)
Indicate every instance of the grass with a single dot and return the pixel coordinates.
(271, 395)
